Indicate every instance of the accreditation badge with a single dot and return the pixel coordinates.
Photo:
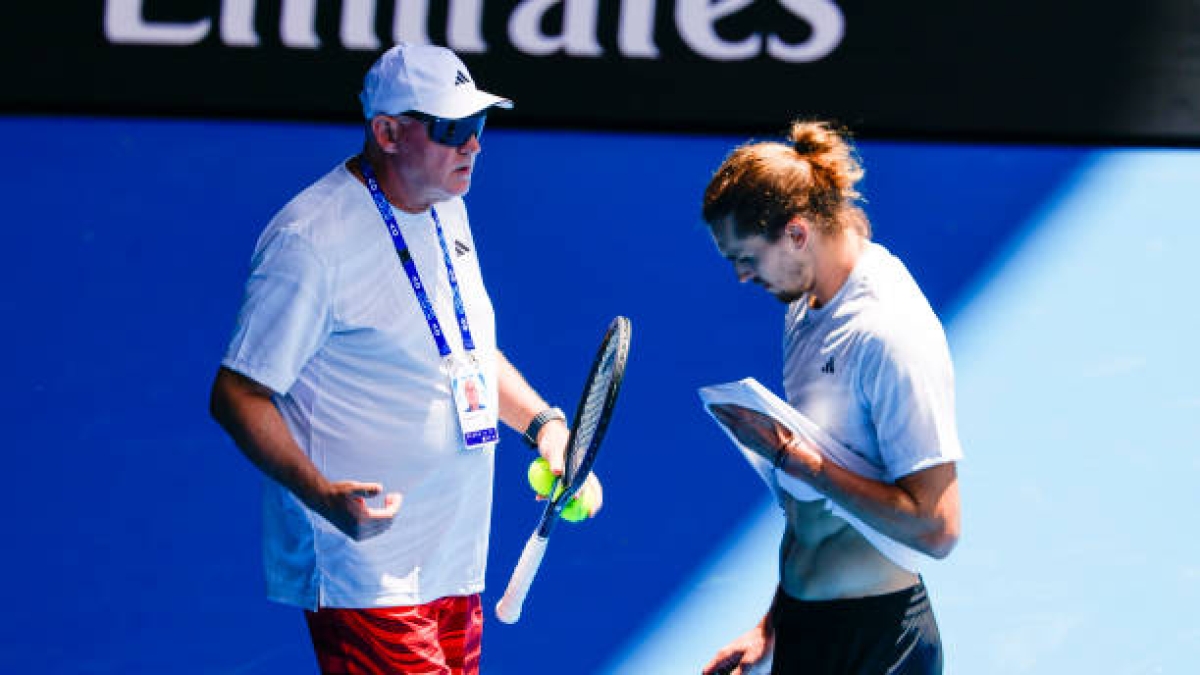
(477, 416)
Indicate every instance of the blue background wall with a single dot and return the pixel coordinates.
(1065, 277)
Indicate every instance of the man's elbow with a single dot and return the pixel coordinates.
(939, 542)
(216, 397)
(222, 398)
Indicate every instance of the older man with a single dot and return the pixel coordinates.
(364, 316)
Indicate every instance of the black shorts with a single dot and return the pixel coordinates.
(892, 634)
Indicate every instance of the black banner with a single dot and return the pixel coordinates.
(1067, 71)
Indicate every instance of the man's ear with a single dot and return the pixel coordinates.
(797, 231)
(387, 132)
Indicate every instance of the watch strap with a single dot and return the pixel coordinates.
(539, 420)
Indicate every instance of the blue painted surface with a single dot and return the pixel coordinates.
(133, 521)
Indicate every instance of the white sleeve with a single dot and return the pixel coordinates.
(907, 379)
(285, 315)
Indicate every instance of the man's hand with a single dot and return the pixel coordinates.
(344, 503)
(552, 445)
(742, 655)
(766, 437)
(592, 494)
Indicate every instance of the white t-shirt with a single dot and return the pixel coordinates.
(331, 323)
(873, 370)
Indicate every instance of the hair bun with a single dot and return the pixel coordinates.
(811, 139)
(830, 157)
(805, 146)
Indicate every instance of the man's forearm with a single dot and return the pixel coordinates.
(244, 409)
(920, 510)
(519, 402)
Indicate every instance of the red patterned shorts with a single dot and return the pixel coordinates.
(438, 638)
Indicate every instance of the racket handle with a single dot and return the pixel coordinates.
(508, 609)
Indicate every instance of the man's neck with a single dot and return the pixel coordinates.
(836, 259)
(389, 182)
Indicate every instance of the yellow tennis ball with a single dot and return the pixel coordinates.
(541, 478)
(575, 510)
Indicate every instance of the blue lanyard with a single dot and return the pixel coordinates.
(410, 268)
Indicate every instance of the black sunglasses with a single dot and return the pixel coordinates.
(454, 133)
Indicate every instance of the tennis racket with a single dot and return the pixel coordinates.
(591, 420)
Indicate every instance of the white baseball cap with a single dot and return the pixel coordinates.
(424, 78)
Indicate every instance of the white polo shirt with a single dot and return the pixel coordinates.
(331, 323)
(873, 370)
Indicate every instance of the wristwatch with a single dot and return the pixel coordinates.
(539, 421)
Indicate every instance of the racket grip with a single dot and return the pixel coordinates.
(508, 609)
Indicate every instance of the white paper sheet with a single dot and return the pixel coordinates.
(750, 394)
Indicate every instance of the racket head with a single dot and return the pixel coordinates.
(594, 410)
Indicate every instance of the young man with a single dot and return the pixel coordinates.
(866, 359)
(364, 315)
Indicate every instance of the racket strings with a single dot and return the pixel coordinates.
(591, 415)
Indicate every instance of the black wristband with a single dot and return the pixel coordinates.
(539, 420)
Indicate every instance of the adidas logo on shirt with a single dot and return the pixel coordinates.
(461, 249)
(828, 367)
(461, 78)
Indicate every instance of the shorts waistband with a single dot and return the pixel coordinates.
(906, 597)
